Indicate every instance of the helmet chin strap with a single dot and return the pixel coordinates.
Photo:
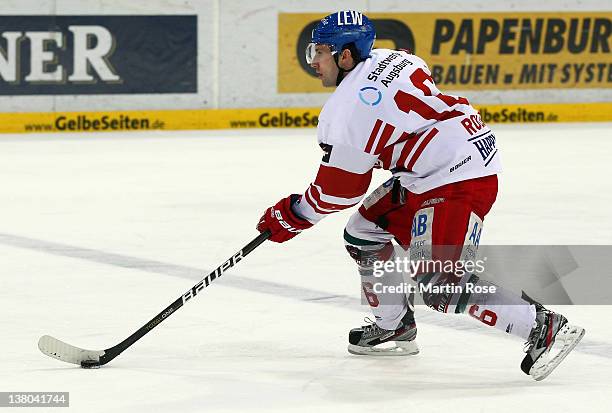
(341, 72)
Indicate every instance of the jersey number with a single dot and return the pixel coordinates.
(410, 103)
(407, 102)
(368, 290)
(487, 316)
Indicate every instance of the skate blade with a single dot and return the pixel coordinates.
(401, 348)
(567, 338)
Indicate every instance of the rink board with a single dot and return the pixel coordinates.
(271, 118)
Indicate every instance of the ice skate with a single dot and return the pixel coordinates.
(372, 340)
(550, 341)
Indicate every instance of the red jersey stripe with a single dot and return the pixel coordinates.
(384, 138)
(404, 137)
(342, 184)
(327, 207)
(412, 140)
(373, 135)
(313, 204)
(421, 148)
(386, 157)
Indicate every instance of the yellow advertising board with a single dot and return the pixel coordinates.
(469, 51)
(266, 118)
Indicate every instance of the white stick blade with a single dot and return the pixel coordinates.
(57, 349)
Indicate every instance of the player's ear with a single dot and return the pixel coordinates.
(347, 59)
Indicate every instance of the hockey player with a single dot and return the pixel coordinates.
(386, 112)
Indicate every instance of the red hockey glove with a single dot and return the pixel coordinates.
(282, 221)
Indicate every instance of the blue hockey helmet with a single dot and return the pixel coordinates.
(344, 29)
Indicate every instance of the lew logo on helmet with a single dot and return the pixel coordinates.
(340, 30)
(349, 17)
(350, 29)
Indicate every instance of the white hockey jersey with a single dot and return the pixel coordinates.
(388, 113)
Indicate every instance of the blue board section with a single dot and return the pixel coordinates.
(98, 54)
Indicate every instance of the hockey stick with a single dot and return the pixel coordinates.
(57, 349)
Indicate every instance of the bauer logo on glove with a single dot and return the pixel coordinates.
(281, 221)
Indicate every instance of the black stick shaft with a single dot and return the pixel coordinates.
(113, 352)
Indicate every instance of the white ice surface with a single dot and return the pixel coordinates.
(98, 233)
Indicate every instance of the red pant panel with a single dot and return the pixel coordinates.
(452, 204)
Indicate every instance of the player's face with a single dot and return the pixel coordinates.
(324, 64)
